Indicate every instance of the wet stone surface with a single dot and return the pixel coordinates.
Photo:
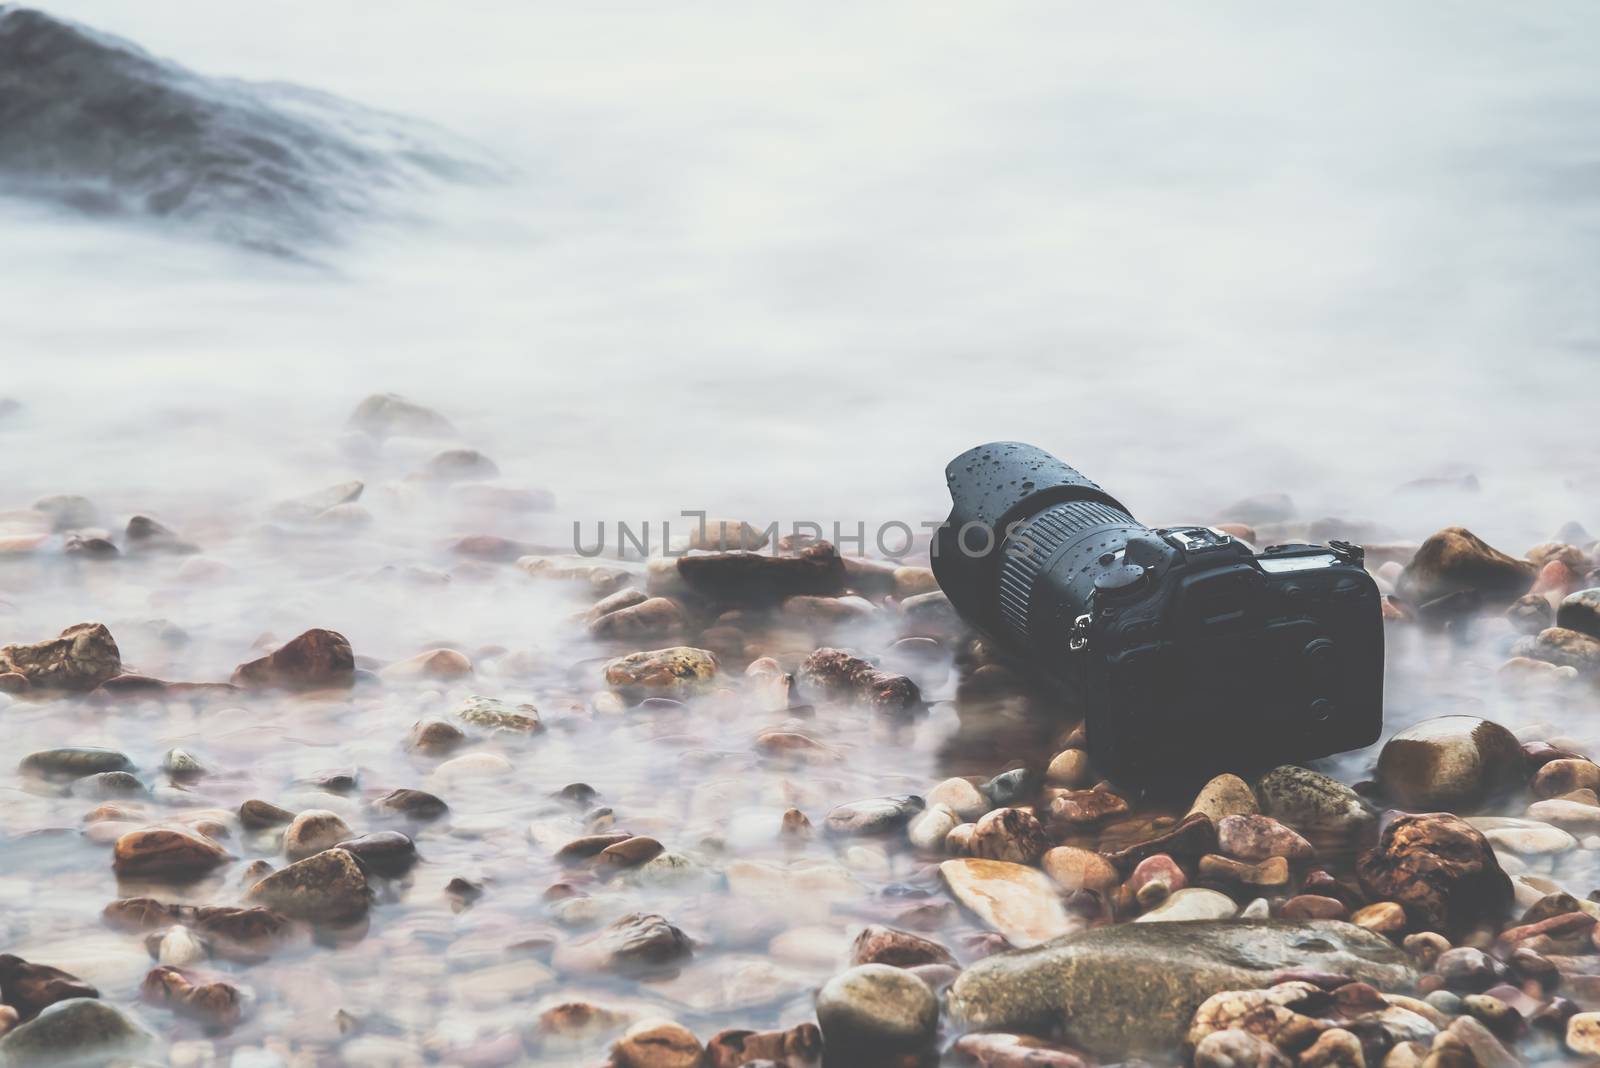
(382, 774)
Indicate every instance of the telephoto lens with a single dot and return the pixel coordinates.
(1188, 652)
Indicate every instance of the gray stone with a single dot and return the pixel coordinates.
(876, 1007)
(1133, 988)
(874, 815)
(1322, 808)
(79, 1031)
(329, 887)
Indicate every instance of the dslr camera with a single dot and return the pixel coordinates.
(1190, 653)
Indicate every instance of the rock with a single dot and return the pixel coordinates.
(724, 535)
(1134, 988)
(146, 535)
(306, 508)
(901, 949)
(657, 1043)
(1234, 1048)
(1321, 808)
(876, 1007)
(418, 805)
(1563, 776)
(182, 764)
(317, 659)
(312, 831)
(165, 853)
(834, 675)
(1193, 837)
(1381, 917)
(1072, 810)
(74, 762)
(388, 854)
(961, 797)
(1528, 837)
(443, 665)
(178, 947)
(1313, 907)
(1069, 768)
(491, 713)
(739, 578)
(798, 1047)
(1580, 611)
(1191, 903)
(77, 1031)
(83, 657)
(108, 130)
(66, 511)
(630, 852)
(1080, 869)
(655, 617)
(258, 815)
(1455, 560)
(1555, 645)
(1583, 1034)
(1009, 834)
(1271, 873)
(434, 737)
(328, 887)
(1155, 879)
(108, 785)
(635, 944)
(217, 1005)
(1451, 763)
(1021, 903)
(383, 415)
(1579, 816)
(31, 988)
(1012, 787)
(679, 671)
(585, 575)
(1000, 1050)
(929, 828)
(1225, 795)
(1259, 837)
(1530, 613)
(873, 816)
(1440, 869)
(458, 465)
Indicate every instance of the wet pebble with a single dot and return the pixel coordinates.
(165, 853)
(876, 1007)
(312, 831)
(328, 887)
(872, 816)
(316, 659)
(74, 762)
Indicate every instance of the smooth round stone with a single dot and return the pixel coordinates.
(1080, 869)
(1451, 763)
(927, 830)
(874, 815)
(180, 763)
(75, 761)
(313, 831)
(1225, 795)
(877, 1006)
(1069, 768)
(1191, 903)
(76, 1031)
(1010, 787)
(657, 1044)
(1566, 814)
(961, 797)
(1525, 837)
(108, 785)
(472, 767)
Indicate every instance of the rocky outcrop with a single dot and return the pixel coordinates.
(101, 127)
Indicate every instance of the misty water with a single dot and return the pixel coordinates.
(779, 266)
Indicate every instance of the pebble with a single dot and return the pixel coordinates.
(1526, 837)
(317, 659)
(928, 829)
(961, 797)
(418, 805)
(1440, 869)
(1020, 902)
(1254, 838)
(1073, 868)
(312, 831)
(165, 853)
(329, 887)
(217, 1005)
(1225, 795)
(75, 762)
(1580, 611)
(635, 944)
(1583, 1034)
(876, 1007)
(678, 671)
(1271, 873)
(472, 767)
(76, 1031)
(1011, 834)
(1191, 903)
(257, 815)
(29, 988)
(435, 737)
(1451, 763)
(872, 816)
(490, 713)
(1316, 805)
(1069, 768)
(389, 854)
(657, 1043)
(84, 656)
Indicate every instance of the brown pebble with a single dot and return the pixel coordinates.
(630, 852)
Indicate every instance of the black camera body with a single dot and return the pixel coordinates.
(1191, 654)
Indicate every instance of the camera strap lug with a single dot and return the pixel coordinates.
(1078, 637)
